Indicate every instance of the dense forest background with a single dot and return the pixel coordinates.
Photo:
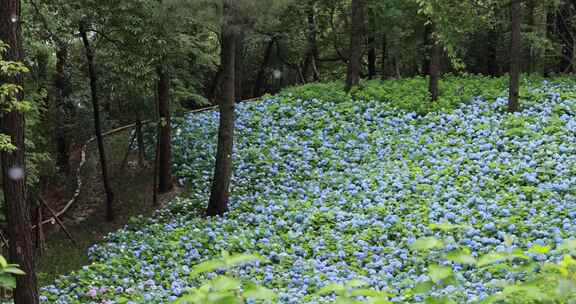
(92, 66)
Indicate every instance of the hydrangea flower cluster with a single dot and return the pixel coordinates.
(329, 192)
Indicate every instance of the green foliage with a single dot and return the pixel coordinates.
(453, 21)
(409, 94)
(6, 143)
(350, 292)
(332, 91)
(540, 282)
(9, 102)
(7, 273)
(427, 244)
(8, 93)
(225, 289)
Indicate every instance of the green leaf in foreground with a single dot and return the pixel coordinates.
(256, 292)
(427, 243)
(438, 273)
(461, 257)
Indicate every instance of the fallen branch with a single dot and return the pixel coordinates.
(76, 193)
(57, 219)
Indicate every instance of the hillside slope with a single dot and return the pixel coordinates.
(331, 191)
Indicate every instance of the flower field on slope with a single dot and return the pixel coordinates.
(328, 192)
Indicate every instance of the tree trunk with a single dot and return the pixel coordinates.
(428, 45)
(567, 36)
(165, 149)
(540, 28)
(220, 191)
(215, 85)
(551, 36)
(13, 164)
(515, 54)
(312, 54)
(355, 63)
(62, 145)
(383, 61)
(261, 77)
(434, 69)
(97, 128)
(140, 141)
(530, 55)
(372, 47)
(238, 77)
(492, 53)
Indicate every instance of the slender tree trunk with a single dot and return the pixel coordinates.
(428, 45)
(383, 61)
(238, 77)
(165, 149)
(140, 141)
(492, 53)
(372, 47)
(215, 85)
(40, 77)
(62, 145)
(305, 66)
(516, 56)
(435, 67)
(567, 36)
(155, 202)
(540, 29)
(220, 191)
(13, 164)
(312, 55)
(572, 46)
(530, 56)
(355, 63)
(550, 35)
(97, 128)
(261, 77)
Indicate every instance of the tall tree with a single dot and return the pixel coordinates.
(97, 127)
(165, 147)
(428, 44)
(61, 93)
(261, 76)
(372, 46)
(449, 23)
(531, 6)
(565, 24)
(12, 124)
(312, 56)
(515, 56)
(384, 56)
(356, 34)
(220, 192)
(435, 65)
(61, 88)
(491, 53)
(140, 141)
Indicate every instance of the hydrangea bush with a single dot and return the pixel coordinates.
(331, 192)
